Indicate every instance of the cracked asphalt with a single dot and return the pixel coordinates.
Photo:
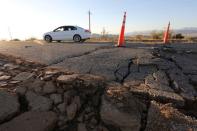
(98, 58)
(149, 72)
(101, 59)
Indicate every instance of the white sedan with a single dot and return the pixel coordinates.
(63, 33)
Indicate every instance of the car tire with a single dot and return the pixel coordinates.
(77, 38)
(48, 38)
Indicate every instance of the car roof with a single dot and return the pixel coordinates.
(69, 25)
(72, 25)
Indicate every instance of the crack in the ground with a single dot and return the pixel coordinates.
(171, 82)
(117, 74)
(23, 103)
(129, 70)
(144, 116)
(189, 106)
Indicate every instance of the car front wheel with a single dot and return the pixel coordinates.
(77, 38)
(48, 38)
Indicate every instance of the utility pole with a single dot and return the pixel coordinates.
(9, 32)
(89, 14)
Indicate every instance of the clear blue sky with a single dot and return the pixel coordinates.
(31, 18)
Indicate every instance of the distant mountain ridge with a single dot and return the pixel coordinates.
(189, 31)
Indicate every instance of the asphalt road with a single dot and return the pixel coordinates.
(47, 53)
(95, 58)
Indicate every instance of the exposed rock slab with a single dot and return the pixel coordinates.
(23, 76)
(57, 98)
(121, 109)
(35, 83)
(37, 102)
(166, 118)
(67, 78)
(73, 108)
(113, 116)
(31, 121)
(11, 66)
(89, 84)
(21, 90)
(181, 84)
(4, 77)
(158, 95)
(9, 105)
(49, 88)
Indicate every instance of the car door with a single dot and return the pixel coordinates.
(71, 32)
(66, 33)
(57, 33)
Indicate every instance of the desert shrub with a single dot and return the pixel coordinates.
(139, 37)
(178, 36)
(157, 35)
(31, 39)
(16, 39)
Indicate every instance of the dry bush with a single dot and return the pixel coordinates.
(31, 39)
(15, 39)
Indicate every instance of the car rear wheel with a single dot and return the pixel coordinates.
(48, 38)
(77, 38)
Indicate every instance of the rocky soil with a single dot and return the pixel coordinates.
(156, 92)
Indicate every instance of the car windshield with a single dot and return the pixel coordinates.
(59, 29)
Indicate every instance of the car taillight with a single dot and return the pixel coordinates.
(87, 31)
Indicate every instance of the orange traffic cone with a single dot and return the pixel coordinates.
(166, 35)
(121, 41)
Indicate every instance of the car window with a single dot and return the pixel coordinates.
(59, 29)
(69, 28)
(73, 28)
(66, 28)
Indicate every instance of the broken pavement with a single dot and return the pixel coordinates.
(108, 89)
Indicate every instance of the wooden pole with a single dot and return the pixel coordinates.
(89, 13)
